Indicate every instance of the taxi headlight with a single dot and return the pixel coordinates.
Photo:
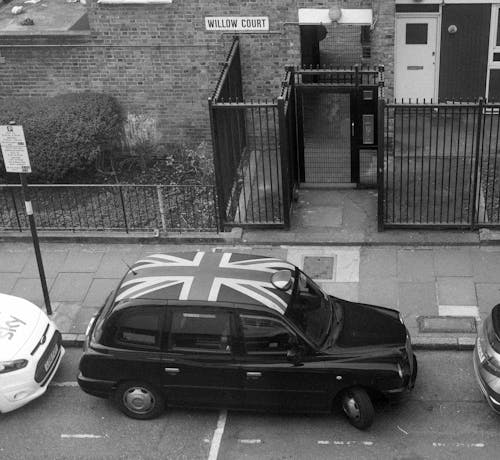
(9, 366)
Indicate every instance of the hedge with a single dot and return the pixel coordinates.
(65, 134)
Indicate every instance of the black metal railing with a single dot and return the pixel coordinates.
(248, 141)
(129, 208)
(440, 165)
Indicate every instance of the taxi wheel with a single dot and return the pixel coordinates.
(139, 400)
(358, 407)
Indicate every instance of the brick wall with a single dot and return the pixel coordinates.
(159, 59)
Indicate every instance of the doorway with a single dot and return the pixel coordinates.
(416, 57)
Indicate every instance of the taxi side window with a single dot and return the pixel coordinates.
(265, 335)
(197, 331)
(137, 328)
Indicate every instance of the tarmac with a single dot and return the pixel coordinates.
(443, 282)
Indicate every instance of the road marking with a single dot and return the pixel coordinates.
(345, 443)
(217, 437)
(83, 436)
(459, 310)
(401, 429)
(458, 444)
(63, 384)
(250, 441)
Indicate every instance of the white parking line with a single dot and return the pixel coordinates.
(83, 436)
(63, 384)
(458, 444)
(217, 437)
(250, 441)
(345, 443)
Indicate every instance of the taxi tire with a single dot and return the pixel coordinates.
(149, 402)
(358, 407)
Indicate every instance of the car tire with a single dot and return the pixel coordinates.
(139, 400)
(358, 407)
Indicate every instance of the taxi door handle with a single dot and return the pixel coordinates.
(254, 375)
(172, 370)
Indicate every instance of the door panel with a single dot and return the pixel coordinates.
(199, 366)
(464, 53)
(415, 66)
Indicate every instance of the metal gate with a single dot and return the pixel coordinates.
(439, 165)
(337, 125)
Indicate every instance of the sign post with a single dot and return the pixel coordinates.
(16, 159)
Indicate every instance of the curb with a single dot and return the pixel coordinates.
(232, 237)
(419, 342)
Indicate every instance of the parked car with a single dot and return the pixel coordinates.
(30, 352)
(245, 331)
(486, 358)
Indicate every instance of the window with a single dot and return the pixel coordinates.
(136, 327)
(200, 331)
(416, 34)
(265, 335)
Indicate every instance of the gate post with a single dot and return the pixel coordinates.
(221, 218)
(380, 164)
(285, 158)
(477, 184)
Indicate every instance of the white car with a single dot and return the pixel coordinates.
(30, 352)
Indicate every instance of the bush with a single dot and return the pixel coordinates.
(65, 134)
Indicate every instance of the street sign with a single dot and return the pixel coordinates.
(13, 145)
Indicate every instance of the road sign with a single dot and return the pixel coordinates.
(15, 154)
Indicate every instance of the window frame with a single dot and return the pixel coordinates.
(262, 315)
(126, 309)
(201, 309)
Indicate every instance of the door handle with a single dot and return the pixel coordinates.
(254, 375)
(352, 129)
(172, 370)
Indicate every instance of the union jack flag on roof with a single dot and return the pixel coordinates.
(206, 276)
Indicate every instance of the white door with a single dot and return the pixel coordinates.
(416, 57)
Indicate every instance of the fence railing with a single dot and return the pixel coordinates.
(129, 208)
(441, 165)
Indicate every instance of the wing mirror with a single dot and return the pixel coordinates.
(282, 280)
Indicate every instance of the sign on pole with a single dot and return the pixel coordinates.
(237, 23)
(15, 154)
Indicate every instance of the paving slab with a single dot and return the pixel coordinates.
(81, 260)
(81, 320)
(416, 265)
(378, 262)
(98, 291)
(486, 264)
(488, 295)
(64, 314)
(31, 289)
(13, 261)
(457, 290)
(416, 299)
(346, 291)
(114, 264)
(383, 292)
(7, 282)
(71, 287)
(52, 261)
(453, 262)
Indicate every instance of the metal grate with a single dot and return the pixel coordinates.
(327, 137)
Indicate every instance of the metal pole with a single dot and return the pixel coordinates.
(36, 244)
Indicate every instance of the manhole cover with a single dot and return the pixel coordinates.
(447, 324)
(320, 268)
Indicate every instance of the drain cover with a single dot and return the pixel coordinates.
(319, 268)
(447, 324)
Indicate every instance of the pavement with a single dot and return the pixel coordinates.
(443, 282)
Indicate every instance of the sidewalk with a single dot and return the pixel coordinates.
(442, 282)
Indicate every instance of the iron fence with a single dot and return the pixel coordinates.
(440, 165)
(248, 146)
(129, 208)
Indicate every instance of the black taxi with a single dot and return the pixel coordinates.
(241, 331)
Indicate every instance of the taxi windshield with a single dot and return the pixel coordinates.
(310, 309)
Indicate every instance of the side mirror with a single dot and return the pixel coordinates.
(294, 355)
(282, 280)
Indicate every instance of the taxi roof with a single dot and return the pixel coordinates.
(208, 277)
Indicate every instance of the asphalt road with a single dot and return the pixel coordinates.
(445, 417)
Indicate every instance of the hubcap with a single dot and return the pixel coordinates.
(139, 400)
(351, 407)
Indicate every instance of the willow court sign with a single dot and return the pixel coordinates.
(237, 23)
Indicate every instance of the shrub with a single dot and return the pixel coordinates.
(65, 134)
